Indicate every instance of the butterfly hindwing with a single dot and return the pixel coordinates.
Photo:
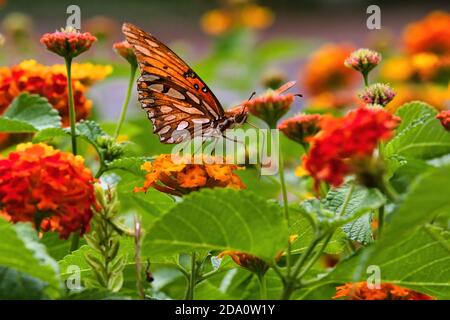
(173, 95)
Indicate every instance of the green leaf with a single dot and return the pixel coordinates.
(21, 250)
(29, 113)
(362, 200)
(49, 134)
(420, 134)
(220, 219)
(360, 230)
(130, 164)
(427, 198)
(418, 262)
(19, 285)
(90, 131)
(328, 212)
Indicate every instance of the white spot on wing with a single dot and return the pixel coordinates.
(142, 50)
(183, 125)
(148, 77)
(156, 87)
(165, 109)
(189, 110)
(175, 94)
(200, 120)
(193, 97)
(210, 109)
(152, 43)
(164, 130)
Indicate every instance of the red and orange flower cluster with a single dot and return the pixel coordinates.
(51, 83)
(388, 291)
(48, 187)
(179, 176)
(344, 141)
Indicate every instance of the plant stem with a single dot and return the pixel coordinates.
(286, 212)
(366, 78)
(123, 112)
(262, 287)
(380, 221)
(192, 279)
(73, 119)
(75, 242)
(303, 265)
(137, 256)
(72, 112)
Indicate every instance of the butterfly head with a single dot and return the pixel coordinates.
(237, 115)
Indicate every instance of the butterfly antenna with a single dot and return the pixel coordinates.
(252, 95)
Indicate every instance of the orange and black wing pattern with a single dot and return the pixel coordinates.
(174, 96)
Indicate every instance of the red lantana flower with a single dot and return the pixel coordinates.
(388, 291)
(68, 42)
(48, 187)
(444, 117)
(345, 141)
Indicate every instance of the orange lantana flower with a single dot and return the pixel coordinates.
(51, 83)
(181, 175)
(431, 34)
(325, 70)
(48, 187)
(388, 291)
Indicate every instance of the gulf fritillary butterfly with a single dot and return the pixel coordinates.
(176, 100)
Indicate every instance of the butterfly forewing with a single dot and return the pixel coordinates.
(174, 96)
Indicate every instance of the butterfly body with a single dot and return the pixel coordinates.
(177, 101)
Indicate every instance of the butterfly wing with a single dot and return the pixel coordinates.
(174, 96)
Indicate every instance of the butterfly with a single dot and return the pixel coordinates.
(177, 101)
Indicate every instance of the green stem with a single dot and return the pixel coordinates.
(316, 256)
(75, 242)
(123, 112)
(192, 280)
(73, 119)
(72, 113)
(262, 287)
(286, 212)
(299, 270)
(366, 78)
(380, 221)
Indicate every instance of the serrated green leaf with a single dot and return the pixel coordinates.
(131, 164)
(49, 134)
(362, 200)
(220, 219)
(29, 113)
(21, 250)
(420, 135)
(360, 230)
